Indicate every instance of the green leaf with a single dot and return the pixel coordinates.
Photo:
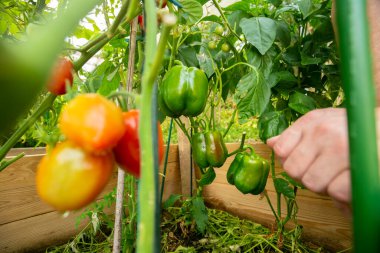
(208, 177)
(271, 124)
(205, 62)
(264, 63)
(306, 7)
(260, 32)
(284, 77)
(308, 60)
(212, 18)
(291, 180)
(301, 103)
(276, 3)
(190, 12)
(234, 19)
(173, 198)
(188, 56)
(252, 95)
(282, 186)
(243, 5)
(283, 33)
(199, 213)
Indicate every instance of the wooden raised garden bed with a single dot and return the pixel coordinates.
(27, 224)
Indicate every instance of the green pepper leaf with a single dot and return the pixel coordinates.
(291, 180)
(199, 213)
(282, 186)
(301, 103)
(208, 177)
(260, 32)
(271, 124)
(252, 95)
(173, 198)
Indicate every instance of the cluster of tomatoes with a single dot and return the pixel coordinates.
(98, 135)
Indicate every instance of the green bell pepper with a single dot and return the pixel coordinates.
(209, 149)
(249, 173)
(183, 92)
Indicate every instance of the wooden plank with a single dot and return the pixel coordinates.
(28, 223)
(321, 220)
(188, 182)
(39, 232)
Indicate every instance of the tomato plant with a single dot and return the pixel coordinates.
(127, 150)
(69, 178)
(62, 75)
(212, 44)
(92, 122)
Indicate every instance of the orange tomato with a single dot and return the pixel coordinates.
(69, 178)
(92, 122)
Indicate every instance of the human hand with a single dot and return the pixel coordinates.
(314, 150)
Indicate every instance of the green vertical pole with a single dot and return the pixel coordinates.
(359, 89)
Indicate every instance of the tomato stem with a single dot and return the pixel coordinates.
(24, 126)
(148, 200)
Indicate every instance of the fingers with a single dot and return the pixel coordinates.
(323, 171)
(301, 158)
(340, 187)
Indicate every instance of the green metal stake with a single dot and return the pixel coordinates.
(359, 89)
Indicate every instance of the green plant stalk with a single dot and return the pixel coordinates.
(46, 104)
(225, 19)
(132, 210)
(358, 84)
(148, 201)
(166, 160)
(4, 164)
(273, 173)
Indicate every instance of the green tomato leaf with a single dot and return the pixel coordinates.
(208, 177)
(199, 213)
(188, 56)
(260, 32)
(282, 186)
(301, 103)
(271, 124)
(262, 62)
(190, 12)
(252, 95)
(173, 198)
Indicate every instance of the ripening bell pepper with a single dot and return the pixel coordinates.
(209, 149)
(183, 92)
(249, 173)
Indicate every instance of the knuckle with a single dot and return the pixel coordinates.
(313, 183)
(293, 168)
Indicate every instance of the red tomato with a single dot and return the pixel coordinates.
(127, 151)
(92, 122)
(69, 178)
(62, 74)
